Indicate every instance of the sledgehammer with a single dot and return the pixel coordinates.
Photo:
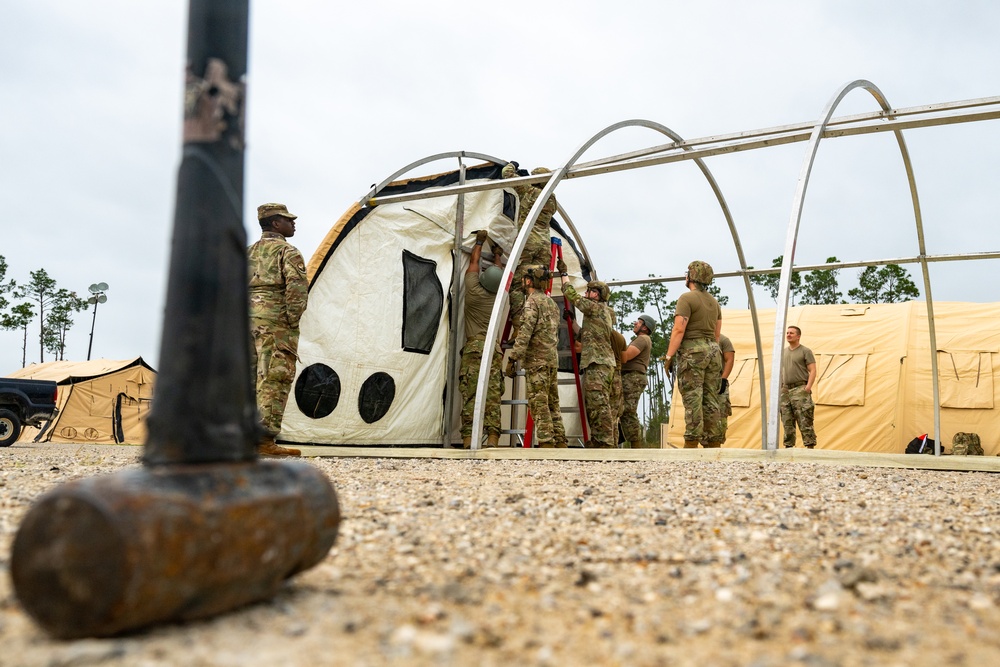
(203, 527)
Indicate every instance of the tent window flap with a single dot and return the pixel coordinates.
(423, 302)
(840, 379)
(965, 379)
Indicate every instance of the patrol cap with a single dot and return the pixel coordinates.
(649, 322)
(265, 211)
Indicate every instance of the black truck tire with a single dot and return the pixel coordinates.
(10, 428)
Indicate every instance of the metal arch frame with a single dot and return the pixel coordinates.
(791, 238)
(515, 255)
(455, 294)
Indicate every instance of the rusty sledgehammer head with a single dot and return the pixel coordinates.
(203, 526)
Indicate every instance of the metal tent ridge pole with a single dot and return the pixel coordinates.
(965, 112)
(916, 259)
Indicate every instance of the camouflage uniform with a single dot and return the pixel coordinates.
(699, 365)
(536, 348)
(618, 346)
(278, 295)
(597, 360)
(795, 403)
(478, 303)
(726, 407)
(538, 247)
(633, 384)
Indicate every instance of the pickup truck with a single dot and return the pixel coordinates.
(22, 402)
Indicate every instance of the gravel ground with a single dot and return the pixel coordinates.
(541, 562)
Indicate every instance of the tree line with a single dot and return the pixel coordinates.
(39, 299)
(876, 284)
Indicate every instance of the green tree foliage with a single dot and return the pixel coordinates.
(20, 317)
(59, 320)
(820, 286)
(887, 284)
(771, 281)
(6, 287)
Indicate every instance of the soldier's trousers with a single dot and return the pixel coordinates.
(468, 377)
(699, 367)
(601, 416)
(633, 384)
(797, 407)
(532, 255)
(727, 411)
(543, 400)
(273, 367)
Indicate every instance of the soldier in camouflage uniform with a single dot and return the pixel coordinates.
(538, 248)
(597, 359)
(618, 346)
(278, 295)
(480, 294)
(694, 340)
(728, 361)
(634, 368)
(536, 348)
(798, 373)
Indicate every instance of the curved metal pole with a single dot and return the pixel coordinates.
(515, 254)
(457, 296)
(791, 238)
(430, 158)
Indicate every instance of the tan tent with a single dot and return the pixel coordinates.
(873, 391)
(100, 401)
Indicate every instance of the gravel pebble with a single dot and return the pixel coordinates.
(546, 562)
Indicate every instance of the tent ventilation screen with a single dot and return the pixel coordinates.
(423, 301)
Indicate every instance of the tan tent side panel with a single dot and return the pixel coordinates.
(874, 391)
(100, 402)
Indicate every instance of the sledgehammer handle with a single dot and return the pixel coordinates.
(204, 408)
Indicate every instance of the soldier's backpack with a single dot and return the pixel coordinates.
(921, 445)
(967, 444)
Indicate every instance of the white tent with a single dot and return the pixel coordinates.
(376, 336)
(873, 391)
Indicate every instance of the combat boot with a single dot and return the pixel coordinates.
(493, 440)
(637, 444)
(711, 445)
(268, 447)
(467, 442)
(690, 444)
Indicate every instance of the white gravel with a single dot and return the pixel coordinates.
(541, 562)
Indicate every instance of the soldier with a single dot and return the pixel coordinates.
(538, 248)
(278, 296)
(635, 360)
(694, 340)
(618, 346)
(728, 360)
(597, 359)
(480, 293)
(798, 373)
(536, 348)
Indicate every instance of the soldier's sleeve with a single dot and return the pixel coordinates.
(296, 285)
(570, 293)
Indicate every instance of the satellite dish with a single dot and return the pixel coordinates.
(102, 287)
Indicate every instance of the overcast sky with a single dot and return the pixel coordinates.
(341, 95)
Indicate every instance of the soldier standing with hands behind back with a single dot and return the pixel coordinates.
(278, 296)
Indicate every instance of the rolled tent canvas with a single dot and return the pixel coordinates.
(873, 391)
(101, 401)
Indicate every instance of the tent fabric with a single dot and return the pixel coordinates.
(375, 337)
(873, 391)
(100, 401)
